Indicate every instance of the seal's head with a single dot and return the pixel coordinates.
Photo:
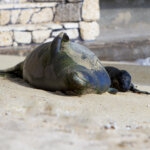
(124, 80)
(76, 68)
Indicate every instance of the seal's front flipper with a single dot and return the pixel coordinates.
(15, 71)
(112, 91)
(134, 90)
(76, 83)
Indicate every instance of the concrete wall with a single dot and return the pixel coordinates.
(125, 30)
(124, 12)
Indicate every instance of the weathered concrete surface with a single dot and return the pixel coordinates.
(124, 12)
(35, 119)
(125, 30)
(129, 49)
(119, 43)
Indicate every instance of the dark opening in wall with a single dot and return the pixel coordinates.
(124, 4)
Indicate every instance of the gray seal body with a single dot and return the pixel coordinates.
(65, 66)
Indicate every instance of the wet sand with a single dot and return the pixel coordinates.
(37, 119)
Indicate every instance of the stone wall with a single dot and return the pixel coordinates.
(25, 22)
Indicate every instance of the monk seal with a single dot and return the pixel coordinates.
(62, 65)
(121, 81)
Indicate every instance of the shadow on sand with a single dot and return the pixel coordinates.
(22, 82)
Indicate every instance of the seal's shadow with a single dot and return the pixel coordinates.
(22, 82)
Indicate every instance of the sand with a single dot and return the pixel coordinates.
(34, 119)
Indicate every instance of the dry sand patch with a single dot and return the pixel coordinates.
(37, 119)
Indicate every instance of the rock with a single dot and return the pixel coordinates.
(28, 27)
(53, 26)
(72, 33)
(5, 28)
(71, 25)
(89, 30)
(74, 1)
(32, 27)
(14, 16)
(40, 36)
(4, 17)
(47, 0)
(90, 10)
(18, 27)
(48, 40)
(26, 15)
(22, 37)
(22, 1)
(26, 5)
(6, 38)
(45, 15)
(15, 44)
(68, 12)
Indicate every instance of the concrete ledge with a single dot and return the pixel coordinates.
(121, 50)
(31, 27)
(26, 5)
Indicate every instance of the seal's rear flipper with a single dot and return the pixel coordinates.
(134, 90)
(15, 71)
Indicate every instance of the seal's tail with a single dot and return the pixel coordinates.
(15, 71)
(135, 90)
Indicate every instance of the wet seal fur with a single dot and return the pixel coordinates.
(121, 81)
(62, 65)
